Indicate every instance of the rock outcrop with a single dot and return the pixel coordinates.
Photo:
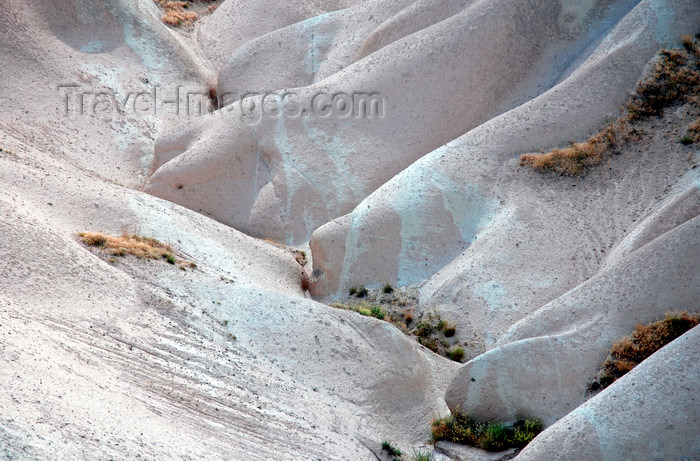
(383, 134)
(657, 403)
(545, 362)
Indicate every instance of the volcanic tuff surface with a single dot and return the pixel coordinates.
(117, 357)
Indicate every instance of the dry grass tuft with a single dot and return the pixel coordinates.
(632, 350)
(135, 245)
(694, 130)
(687, 41)
(675, 79)
(300, 257)
(174, 13)
(573, 160)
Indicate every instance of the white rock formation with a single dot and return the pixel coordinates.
(650, 413)
(283, 176)
(231, 359)
(107, 359)
(468, 190)
(544, 363)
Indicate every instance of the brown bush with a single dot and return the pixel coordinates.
(674, 79)
(632, 350)
(174, 13)
(135, 245)
(694, 130)
(572, 160)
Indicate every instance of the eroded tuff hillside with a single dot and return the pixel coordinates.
(109, 356)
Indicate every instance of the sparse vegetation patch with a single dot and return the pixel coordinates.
(358, 292)
(488, 436)
(421, 455)
(174, 13)
(300, 257)
(675, 79)
(135, 245)
(632, 350)
(456, 354)
(178, 13)
(363, 308)
(430, 330)
(390, 449)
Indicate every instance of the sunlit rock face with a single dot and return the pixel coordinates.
(281, 167)
(385, 135)
(639, 405)
(545, 362)
(465, 206)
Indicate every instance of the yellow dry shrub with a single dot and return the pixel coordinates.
(674, 79)
(174, 13)
(127, 244)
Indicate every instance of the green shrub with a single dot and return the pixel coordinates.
(488, 436)
(362, 308)
(420, 455)
(447, 328)
(377, 312)
(457, 429)
(456, 354)
(390, 449)
(526, 430)
(430, 343)
(685, 140)
(359, 292)
(423, 329)
(495, 438)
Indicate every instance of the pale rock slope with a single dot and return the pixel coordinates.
(467, 87)
(648, 414)
(104, 359)
(238, 22)
(434, 209)
(544, 363)
(284, 176)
